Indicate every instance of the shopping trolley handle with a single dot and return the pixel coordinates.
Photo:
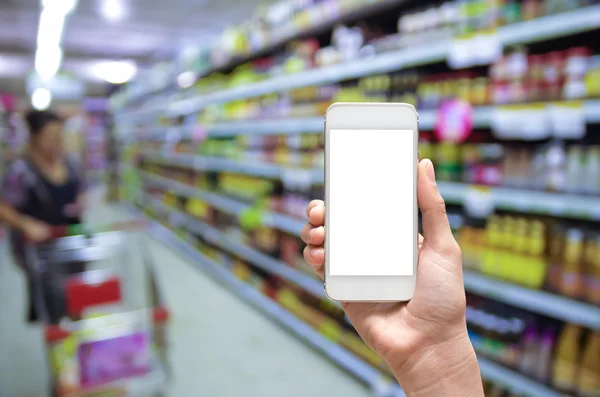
(87, 230)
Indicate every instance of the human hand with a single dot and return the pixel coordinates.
(424, 340)
(34, 230)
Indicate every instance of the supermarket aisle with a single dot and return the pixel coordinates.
(220, 346)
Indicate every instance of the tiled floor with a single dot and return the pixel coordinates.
(220, 346)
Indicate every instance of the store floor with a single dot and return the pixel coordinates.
(219, 346)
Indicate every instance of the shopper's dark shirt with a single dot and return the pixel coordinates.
(31, 193)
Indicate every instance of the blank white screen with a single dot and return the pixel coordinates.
(371, 202)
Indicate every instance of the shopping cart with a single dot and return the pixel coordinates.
(104, 319)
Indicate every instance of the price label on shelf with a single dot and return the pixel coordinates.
(460, 53)
(486, 47)
(504, 121)
(523, 122)
(567, 119)
(479, 201)
(534, 123)
(474, 49)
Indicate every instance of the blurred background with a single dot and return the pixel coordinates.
(207, 118)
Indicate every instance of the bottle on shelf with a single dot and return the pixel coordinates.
(529, 351)
(588, 379)
(593, 273)
(544, 358)
(555, 258)
(566, 359)
(571, 281)
(592, 171)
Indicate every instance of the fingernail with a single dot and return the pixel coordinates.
(312, 210)
(430, 170)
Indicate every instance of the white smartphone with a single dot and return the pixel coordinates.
(371, 201)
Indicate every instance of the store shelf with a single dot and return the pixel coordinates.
(491, 371)
(259, 259)
(514, 381)
(512, 199)
(482, 118)
(540, 29)
(201, 163)
(541, 302)
(524, 200)
(267, 127)
(355, 13)
(226, 204)
(338, 354)
(545, 303)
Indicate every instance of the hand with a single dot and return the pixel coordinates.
(424, 340)
(34, 230)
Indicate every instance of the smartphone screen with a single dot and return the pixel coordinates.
(371, 202)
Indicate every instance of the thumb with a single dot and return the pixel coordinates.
(436, 228)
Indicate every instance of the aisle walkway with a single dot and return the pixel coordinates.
(220, 346)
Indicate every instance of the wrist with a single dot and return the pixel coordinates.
(448, 368)
(23, 221)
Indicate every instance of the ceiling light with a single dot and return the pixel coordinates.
(65, 7)
(47, 61)
(113, 10)
(50, 28)
(115, 72)
(41, 99)
(186, 79)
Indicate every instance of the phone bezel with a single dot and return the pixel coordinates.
(373, 116)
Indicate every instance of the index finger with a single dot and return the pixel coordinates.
(316, 213)
(312, 205)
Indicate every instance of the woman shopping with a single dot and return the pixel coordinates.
(41, 189)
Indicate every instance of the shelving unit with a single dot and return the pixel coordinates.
(382, 387)
(537, 301)
(482, 118)
(173, 147)
(544, 28)
(514, 199)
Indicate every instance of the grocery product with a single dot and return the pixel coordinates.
(571, 283)
(566, 361)
(588, 379)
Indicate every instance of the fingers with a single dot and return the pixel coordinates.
(313, 235)
(315, 257)
(313, 204)
(436, 228)
(316, 213)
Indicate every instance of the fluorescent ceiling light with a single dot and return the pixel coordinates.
(113, 10)
(50, 28)
(186, 79)
(47, 61)
(64, 7)
(41, 99)
(115, 72)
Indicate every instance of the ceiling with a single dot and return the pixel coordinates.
(151, 30)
